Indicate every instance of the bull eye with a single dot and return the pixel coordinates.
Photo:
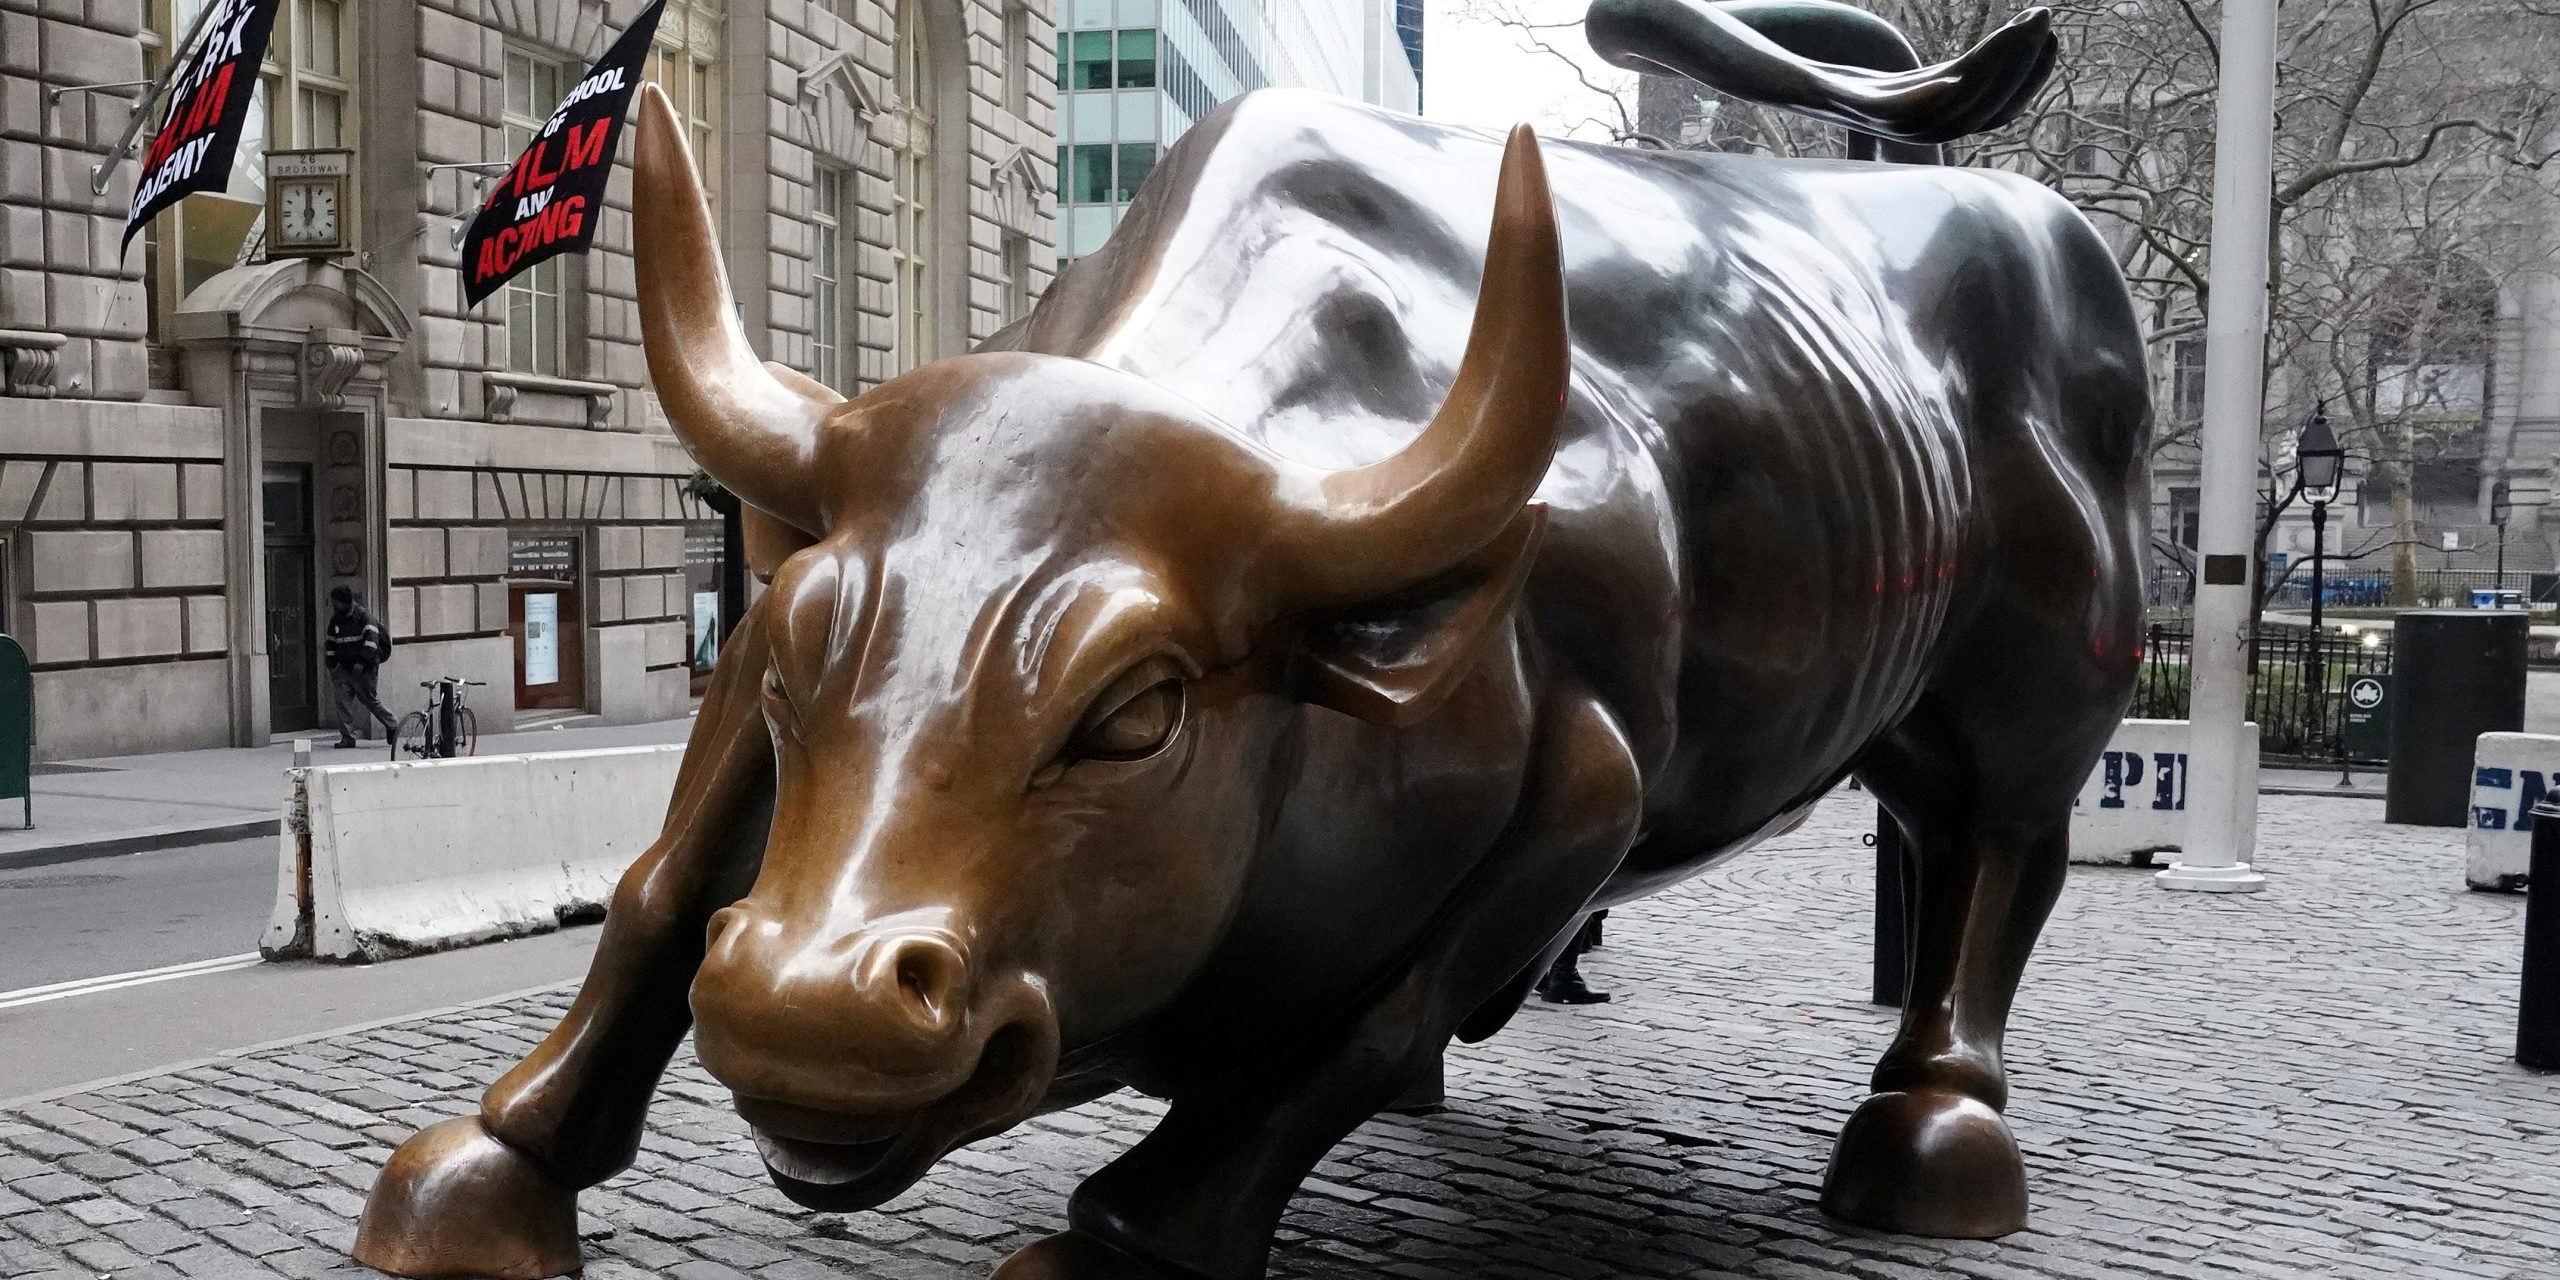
(1133, 728)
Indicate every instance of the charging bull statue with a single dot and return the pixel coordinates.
(1239, 678)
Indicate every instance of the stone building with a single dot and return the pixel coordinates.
(197, 441)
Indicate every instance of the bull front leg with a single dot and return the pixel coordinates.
(1202, 1194)
(495, 1194)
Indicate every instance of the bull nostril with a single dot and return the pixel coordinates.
(932, 978)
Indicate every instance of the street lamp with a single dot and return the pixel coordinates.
(2318, 461)
(2499, 505)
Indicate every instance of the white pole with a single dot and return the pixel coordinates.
(2222, 763)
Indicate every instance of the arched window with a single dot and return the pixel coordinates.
(911, 247)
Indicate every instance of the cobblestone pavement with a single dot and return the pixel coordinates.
(2314, 1081)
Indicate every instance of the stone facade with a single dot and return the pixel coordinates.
(152, 402)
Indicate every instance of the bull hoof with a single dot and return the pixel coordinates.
(454, 1201)
(1073, 1255)
(1928, 1163)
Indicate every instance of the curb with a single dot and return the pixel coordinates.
(141, 840)
(2314, 789)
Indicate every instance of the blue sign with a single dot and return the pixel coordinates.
(2123, 771)
(2525, 785)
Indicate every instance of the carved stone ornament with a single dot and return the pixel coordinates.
(841, 106)
(26, 363)
(327, 367)
(1018, 191)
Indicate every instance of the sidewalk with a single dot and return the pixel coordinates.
(130, 804)
(2313, 1081)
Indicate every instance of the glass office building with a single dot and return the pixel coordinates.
(1134, 74)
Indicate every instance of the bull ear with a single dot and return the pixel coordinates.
(1392, 663)
(770, 540)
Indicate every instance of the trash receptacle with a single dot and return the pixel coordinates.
(2455, 674)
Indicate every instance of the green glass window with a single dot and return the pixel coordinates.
(1092, 60)
(1137, 160)
(1137, 60)
(1093, 173)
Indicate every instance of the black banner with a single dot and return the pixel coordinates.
(208, 104)
(548, 202)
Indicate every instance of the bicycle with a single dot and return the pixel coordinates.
(445, 728)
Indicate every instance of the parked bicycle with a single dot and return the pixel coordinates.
(445, 729)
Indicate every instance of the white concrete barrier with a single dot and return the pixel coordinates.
(384, 860)
(2509, 773)
(2134, 804)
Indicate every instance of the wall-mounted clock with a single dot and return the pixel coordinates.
(310, 211)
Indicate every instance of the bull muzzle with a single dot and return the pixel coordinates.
(861, 1057)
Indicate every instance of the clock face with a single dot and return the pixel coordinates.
(308, 213)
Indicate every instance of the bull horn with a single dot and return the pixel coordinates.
(753, 432)
(1373, 530)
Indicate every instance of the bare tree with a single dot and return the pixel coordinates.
(2411, 139)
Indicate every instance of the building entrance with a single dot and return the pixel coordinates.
(292, 599)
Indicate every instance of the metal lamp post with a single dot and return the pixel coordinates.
(2320, 462)
(2500, 503)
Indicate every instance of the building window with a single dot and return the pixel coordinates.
(911, 234)
(318, 65)
(685, 63)
(537, 340)
(828, 208)
(1137, 69)
(2186, 380)
(309, 68)
(1017, 58)
(1091, 180)
(1017, 276)
(1137, 160)
(1089, 63)
(2185, 515)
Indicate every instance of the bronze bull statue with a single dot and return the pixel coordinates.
(1239, 678)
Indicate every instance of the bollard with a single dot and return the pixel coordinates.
(1896, 901)
(2538, 1011)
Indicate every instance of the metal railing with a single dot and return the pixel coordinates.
(2297, 684)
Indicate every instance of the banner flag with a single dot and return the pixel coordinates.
(208, 106)
(548, 202)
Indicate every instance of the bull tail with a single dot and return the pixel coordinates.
(1833, 62)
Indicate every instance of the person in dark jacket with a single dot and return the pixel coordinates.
(354, 651)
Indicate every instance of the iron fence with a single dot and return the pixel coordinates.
(2297, 684)
(2352, 586)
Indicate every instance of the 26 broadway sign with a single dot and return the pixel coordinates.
(208, 104)
(547, 203)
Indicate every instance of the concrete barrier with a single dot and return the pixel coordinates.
(2134, 804)
(385, 860)
(2509, 772)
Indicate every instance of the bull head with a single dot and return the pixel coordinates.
(1037, 637)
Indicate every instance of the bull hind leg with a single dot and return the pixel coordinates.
(1201, 1195)
(494, 1194)
(1981, 779)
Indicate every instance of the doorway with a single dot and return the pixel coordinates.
(546, 621)
(292, 598)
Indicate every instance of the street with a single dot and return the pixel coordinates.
(138, 911)
(118, 963)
